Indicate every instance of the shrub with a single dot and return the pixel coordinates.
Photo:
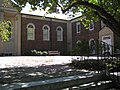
(88, 64)
(41, 53)
(113, 65)
(81, 48)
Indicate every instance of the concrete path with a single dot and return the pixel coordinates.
(33, 68)
(31, 61)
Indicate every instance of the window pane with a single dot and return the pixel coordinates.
(78, 27)
(45, 34)
(91, 26)
(59, 34)
(30, 26)
(30, 33)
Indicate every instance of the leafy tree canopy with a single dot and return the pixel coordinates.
(106, 10)
(4, 30)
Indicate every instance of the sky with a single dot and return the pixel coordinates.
(27, 10)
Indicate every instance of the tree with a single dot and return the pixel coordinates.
(106, 10)
(81, 48)
(4, 30)
(5, 26)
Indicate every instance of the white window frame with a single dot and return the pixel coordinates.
(78, 30)
(48, 33)
(33, 32)
(93, 26)
(61, 33)
(93, 51)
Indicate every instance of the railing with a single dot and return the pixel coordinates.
(110, 56)
(107, 56)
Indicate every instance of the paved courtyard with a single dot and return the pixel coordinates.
(31, 61)
(33, 68)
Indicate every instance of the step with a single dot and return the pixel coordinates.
(101, 85)
(57, 83)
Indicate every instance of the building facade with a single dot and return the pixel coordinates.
(30, 32)
(8, 13)
(44, 34)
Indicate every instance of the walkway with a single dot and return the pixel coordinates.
(33, 68)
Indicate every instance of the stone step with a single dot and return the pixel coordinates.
(101, 85)
(57, 83)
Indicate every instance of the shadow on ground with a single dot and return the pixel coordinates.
(27, 74)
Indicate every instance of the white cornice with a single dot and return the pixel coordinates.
(43, 18)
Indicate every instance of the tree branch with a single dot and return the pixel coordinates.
(109, 24)
(93, 6)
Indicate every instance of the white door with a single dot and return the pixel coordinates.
(107, 40)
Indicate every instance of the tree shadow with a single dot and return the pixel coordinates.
(44, 72)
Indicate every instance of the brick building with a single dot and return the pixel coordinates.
(47, 34)
(31, 32)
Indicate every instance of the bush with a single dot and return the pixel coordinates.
(39, 53)
(88, 64)
(113, 65)
(81, 48)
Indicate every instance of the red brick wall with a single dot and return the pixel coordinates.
(38, 43)
(85, 34)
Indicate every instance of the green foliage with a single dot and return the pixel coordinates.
(4, 32)
(110, 64)
(81, 48)
(113, 64)
(87, 64)
(36, 52)
(106, 10)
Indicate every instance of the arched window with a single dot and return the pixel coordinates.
(92, 46)
(59, 33)
(46, 32)
(30, 31)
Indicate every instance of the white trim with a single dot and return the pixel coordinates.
(61, 33)
(48, 32)
(33, 31)
(108, 41)
(78, 31)
(94, 48)
(31, 24)
(44, 18)
(90, 41)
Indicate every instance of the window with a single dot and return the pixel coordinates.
(30, 31)
(106, 37)
(78, 27)
(92, 46)
(46, 32)
(59, 33)
(91, 26)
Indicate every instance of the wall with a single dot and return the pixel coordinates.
(106, 31)
(85, 34)
(13, 45)
(38, 43)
